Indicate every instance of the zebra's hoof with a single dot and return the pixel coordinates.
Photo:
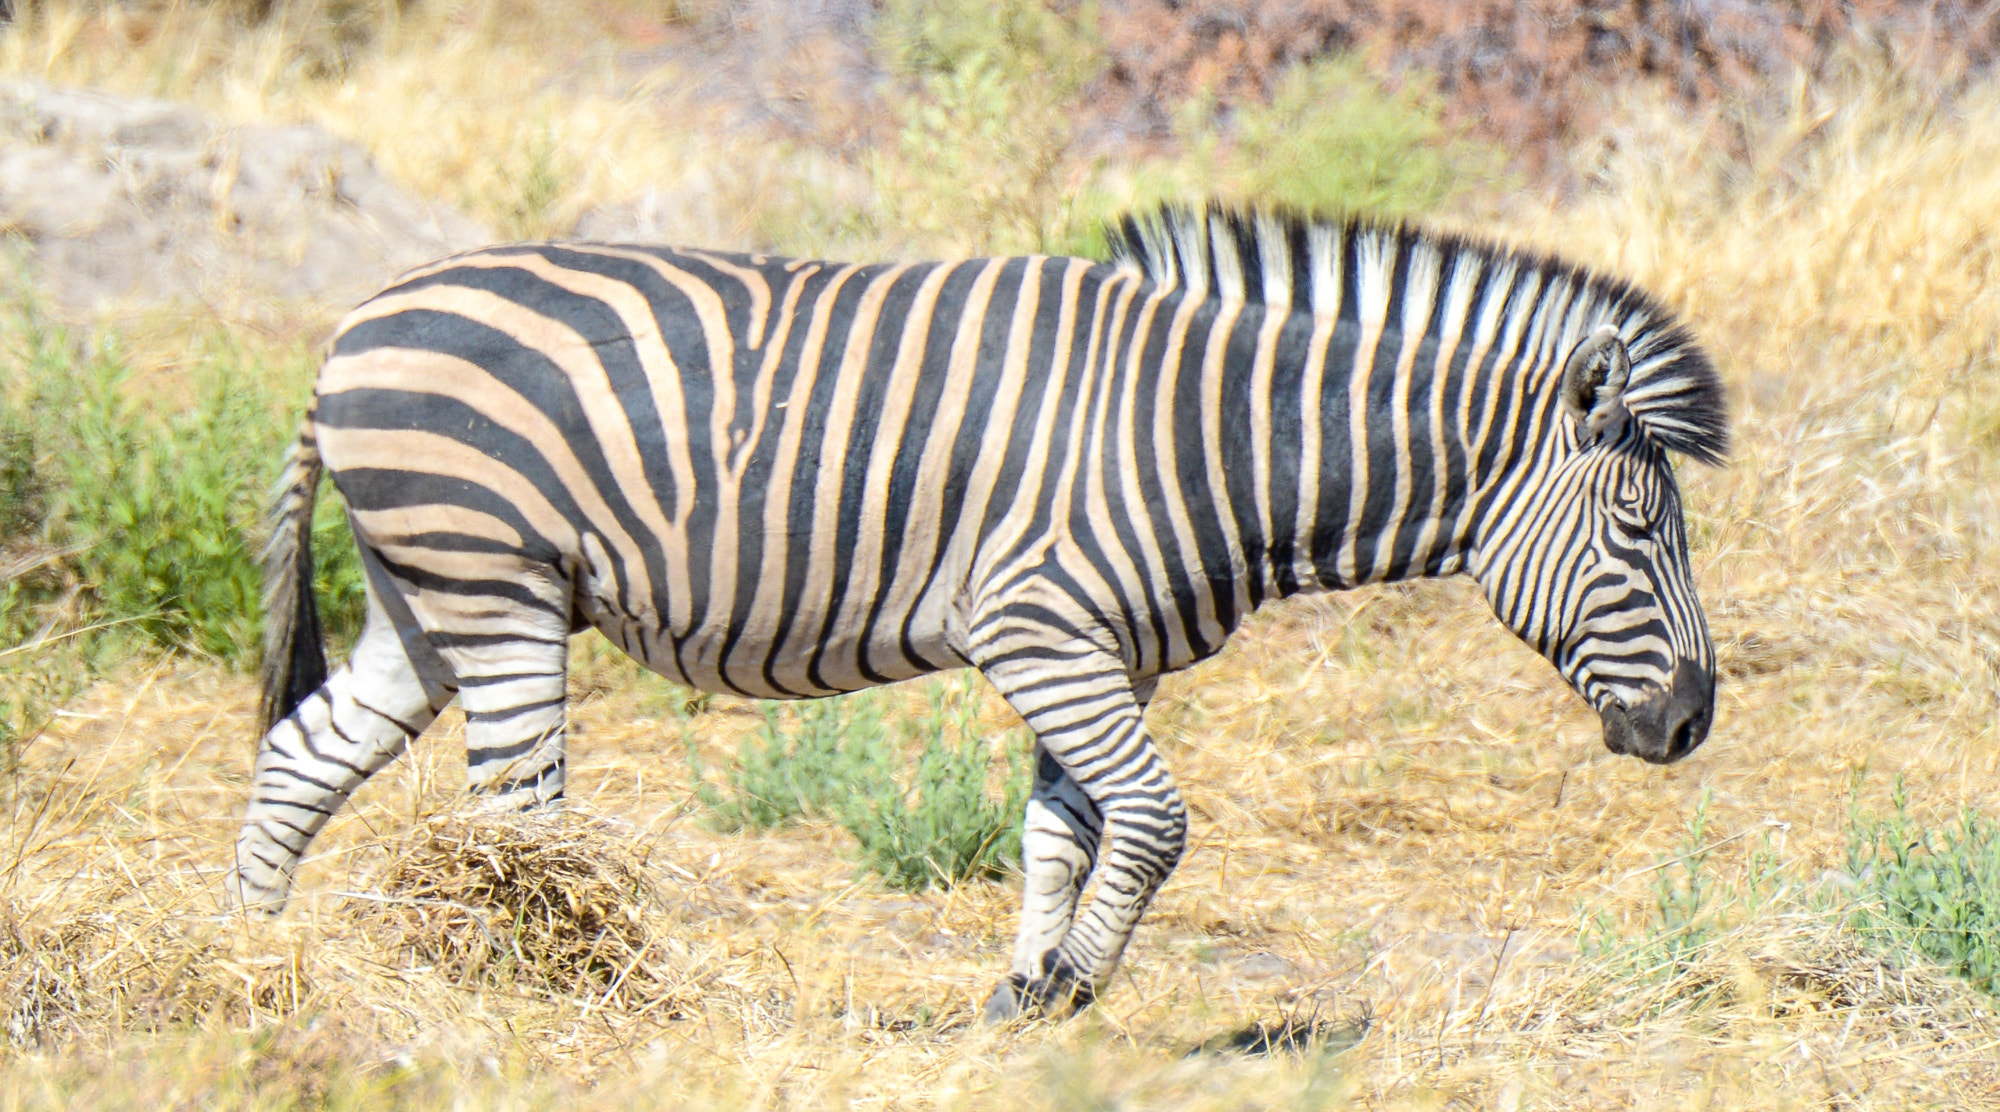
(1058, 994)
(253, 900)
(1006, 1004)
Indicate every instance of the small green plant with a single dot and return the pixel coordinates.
(982, 155)
(1933, 891)
(1682, 916)
(836, 748)
(839, 760)
(1692, 908)
(20, 486)
(1333, 139)
(541, 176)
(947, 828)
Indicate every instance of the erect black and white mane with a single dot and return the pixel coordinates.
(1287, 259)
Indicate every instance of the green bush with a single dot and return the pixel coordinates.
(946, 828)
(984, 150)
(835, 748)
(839, 760)
(20, 485)
(153, 510)
(1334, 139)
(1933, 891)
(983, 154)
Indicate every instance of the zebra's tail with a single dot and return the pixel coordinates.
(294, 653)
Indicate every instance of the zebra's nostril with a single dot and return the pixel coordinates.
(1684, 739)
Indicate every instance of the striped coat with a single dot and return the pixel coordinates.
(786, 479)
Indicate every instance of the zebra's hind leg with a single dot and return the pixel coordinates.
(1082, 706)
(363, 717)
(514, 693)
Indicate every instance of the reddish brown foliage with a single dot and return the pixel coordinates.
(1527, 74)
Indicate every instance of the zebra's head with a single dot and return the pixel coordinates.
(1586, 559)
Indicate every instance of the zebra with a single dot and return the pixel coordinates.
(787, 479)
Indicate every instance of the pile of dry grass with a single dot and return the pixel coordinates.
(553, 902)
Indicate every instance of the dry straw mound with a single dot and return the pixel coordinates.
(553, 902)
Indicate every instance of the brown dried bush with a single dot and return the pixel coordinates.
(1530, 74)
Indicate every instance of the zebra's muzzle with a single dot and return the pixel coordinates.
(1668, 726)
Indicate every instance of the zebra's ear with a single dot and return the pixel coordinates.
(1593, 385)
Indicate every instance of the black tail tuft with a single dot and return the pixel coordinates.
(294, 649)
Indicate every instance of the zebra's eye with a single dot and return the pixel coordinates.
(1630, 521)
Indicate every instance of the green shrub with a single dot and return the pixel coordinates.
(985, 135)
(20, 485)
(1933, 891)
(1334, 139)
(835, 748)
(839, 760)
(983, 155)
(155, 510)
(946, 828)
(539, 174)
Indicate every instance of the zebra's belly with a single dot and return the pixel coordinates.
(758, 646)
(759, 663)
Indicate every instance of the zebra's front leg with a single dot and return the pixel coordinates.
(1059, 840)
(1087, 717)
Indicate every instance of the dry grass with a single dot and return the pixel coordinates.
(1402, 823)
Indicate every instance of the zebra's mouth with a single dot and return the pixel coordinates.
(1666, 727)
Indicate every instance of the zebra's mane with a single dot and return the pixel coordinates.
(1281, 258)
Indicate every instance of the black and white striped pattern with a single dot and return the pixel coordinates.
(789, 479)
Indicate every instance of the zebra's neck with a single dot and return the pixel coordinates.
(1340, 450)
(1261, 452)
(1383, 387)
(1357, 437)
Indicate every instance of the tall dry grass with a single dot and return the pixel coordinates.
(1405, 830)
